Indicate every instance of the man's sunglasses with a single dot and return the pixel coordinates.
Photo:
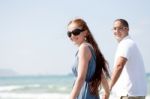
(74, 32)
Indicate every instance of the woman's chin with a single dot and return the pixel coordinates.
(75, 43)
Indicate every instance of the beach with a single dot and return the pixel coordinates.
(40, 96)
(41, 87)
(33, 96)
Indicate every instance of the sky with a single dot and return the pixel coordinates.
(33, 38)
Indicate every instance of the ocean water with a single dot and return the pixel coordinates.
(36, 84)
(39, 87)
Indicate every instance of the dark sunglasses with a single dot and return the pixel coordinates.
(74, 32)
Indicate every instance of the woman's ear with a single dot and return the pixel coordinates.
(86, 33)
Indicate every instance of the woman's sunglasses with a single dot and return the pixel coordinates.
(74, 32)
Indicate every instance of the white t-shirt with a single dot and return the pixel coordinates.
(132, 80)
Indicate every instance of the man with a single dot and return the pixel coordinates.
(128, 77)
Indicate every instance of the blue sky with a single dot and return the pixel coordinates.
(33, 37)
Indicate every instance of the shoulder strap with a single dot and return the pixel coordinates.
(93, 52)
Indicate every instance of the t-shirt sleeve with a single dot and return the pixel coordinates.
(124, 50)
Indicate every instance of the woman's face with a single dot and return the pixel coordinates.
(76, 34)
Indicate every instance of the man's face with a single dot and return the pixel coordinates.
(119, 31)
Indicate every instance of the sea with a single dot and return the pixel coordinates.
(41, 87)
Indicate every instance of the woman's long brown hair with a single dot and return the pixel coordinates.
(101, 63)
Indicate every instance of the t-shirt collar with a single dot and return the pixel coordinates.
(127, 37)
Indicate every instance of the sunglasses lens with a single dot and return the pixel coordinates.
(69, 34)
(74, 32)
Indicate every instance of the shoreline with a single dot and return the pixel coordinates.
(41, 96)
(33, 96)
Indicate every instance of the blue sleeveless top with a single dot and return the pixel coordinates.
(85, 90)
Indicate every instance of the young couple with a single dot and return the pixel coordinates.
(91, 69)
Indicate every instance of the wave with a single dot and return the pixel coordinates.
(9, 88)
(35, 88)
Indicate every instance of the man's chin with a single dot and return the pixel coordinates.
(118, 39)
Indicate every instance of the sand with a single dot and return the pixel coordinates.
(39, 96)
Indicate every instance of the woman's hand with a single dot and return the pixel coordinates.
(105, 85)
(70, 97)
(105, 96)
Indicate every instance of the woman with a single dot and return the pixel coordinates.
(90, 67)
